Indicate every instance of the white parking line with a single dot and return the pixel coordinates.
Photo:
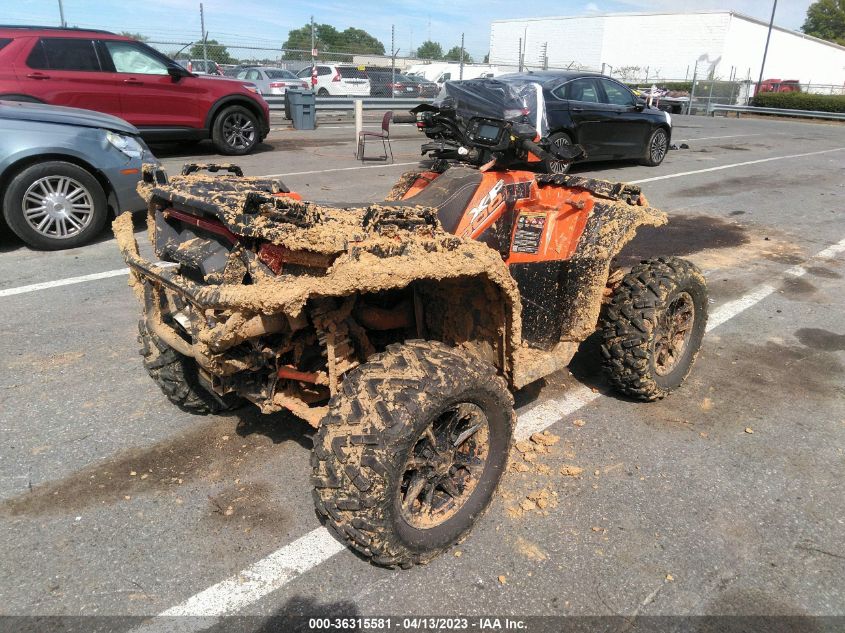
(261, 578)
(325, 171)
(743, 164)
(317, 546)
(711, 138)
(8, 292)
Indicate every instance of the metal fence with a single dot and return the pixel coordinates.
(230, 54)
(700, 96)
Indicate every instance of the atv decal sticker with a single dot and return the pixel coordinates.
(529, 229)
(486, 207)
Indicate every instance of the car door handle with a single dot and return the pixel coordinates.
(38, 76)
(133, 82)
(577, 109)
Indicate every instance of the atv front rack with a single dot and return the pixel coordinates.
(600, 188)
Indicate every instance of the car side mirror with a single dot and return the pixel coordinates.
(639, 106)
(176, 73)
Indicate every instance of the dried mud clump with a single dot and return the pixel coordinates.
(405, 182)
(535, 479)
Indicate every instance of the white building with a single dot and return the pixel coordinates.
(669, 45)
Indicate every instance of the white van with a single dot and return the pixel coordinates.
(439, 72)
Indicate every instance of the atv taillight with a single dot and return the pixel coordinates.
(275, 256)
(272, 256)
(336, 76)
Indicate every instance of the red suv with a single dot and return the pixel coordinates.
(98, 70)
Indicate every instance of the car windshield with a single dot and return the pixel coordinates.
(348, 72)
(278, 73)
(517, 100)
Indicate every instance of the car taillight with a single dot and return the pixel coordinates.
(278, 84)
(336, 76)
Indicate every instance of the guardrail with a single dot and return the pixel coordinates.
(348, 103)
(815, 114)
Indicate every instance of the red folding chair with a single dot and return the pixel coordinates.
(384, 135)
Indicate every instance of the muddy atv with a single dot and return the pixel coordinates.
(400, 329)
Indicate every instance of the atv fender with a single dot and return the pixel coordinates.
(610, 226)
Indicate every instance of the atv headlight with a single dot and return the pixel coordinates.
(126, 144)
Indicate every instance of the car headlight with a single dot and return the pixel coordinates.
(252, 88)
(125, 144)
(669, 119)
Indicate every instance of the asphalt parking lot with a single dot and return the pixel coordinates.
(725, 498)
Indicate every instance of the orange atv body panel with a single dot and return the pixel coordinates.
(547, 222)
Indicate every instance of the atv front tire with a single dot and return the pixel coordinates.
(177, 376)
(653, 326)
(411, 451)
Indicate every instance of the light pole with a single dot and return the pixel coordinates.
(766, 49)
(62, 15)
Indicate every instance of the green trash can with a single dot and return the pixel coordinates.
(303, 109)
(288, 94)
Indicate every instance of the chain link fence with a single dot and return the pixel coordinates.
(228, 55)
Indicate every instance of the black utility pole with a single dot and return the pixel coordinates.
(766, 50)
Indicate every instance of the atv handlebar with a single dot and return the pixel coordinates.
(404, 118)
(477, 140)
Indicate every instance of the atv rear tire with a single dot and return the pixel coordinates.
(177, 377)
(653, 326)
(411, 451)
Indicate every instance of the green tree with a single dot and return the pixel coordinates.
(135, 36)
(358, 41)
(216, 52)
(328, 38)
(454, 55)
(487, 58)
(430, 50)
(826, 19)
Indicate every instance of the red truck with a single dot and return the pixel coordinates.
(779, 85)
(101, 71)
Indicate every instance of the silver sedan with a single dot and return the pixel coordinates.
(63, 171)
(272, 81)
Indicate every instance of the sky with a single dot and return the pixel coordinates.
(267, 22)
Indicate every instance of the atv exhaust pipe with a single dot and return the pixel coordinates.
(395, 318)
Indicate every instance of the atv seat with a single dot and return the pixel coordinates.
(450, 193)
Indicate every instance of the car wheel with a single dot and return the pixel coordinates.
(235, 131)
(560, 139)
(55, 205)
(322, 92)
(656, 148)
